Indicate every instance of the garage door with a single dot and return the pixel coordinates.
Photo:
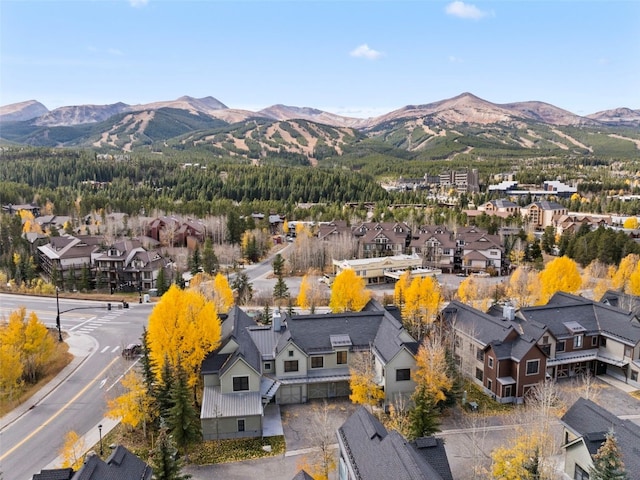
(329, 390)
(290, 394)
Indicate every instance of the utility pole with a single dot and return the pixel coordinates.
(58, 316)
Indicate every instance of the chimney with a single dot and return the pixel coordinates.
(508, 312)
(276, 321)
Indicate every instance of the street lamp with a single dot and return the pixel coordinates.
(58, 316)
(100, 432)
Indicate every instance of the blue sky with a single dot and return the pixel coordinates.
(357, 58)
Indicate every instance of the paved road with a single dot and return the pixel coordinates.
(32, 435)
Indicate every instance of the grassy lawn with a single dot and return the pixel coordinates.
(486, 404)
(201, 453)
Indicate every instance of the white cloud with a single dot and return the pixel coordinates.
(464, 10)
(363, 51)
(138, 3)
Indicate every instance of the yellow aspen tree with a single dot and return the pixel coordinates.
(400, 289)
(633, 284)
(38, 348)
(303, 300)
(510, 462)
(431, 369)
(348, 292)
(222, 293)
(133, 407)
(523, 287)
(627, 265)
(285, 227)
(560, 275)
(72, 451)
(631, 223)
(362, 375)
(468, 290)
(11, 371)
(183, 328)
(422, 303)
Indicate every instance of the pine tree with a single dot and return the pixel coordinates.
(243, 288)
(163, 389)
(194, 261)
(165, 461)
(280, 289)
(424, 416)
(183, 419)
(607, 462)
(210, 262)
(145, 361)
(85, 278)
(161, 283)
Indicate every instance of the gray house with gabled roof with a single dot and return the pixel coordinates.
(585, 426)
(369, 452)
(297, 359)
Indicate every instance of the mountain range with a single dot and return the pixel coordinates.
(189, 121)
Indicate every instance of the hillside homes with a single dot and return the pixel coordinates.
(65, 257)
(297, 359)
(543, 214)
(378, 239)
(507, 352)
(171, 231)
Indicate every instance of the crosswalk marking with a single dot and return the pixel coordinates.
(104, 349)
(115, 349)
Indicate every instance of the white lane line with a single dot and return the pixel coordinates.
(75, 327)
(102, 383)
(115, 349)
(125, 372)
(104, 349)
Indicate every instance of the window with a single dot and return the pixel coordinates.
(508, 390)
(545, 339)
(627, 351)
(480, 354)
(241, 425)
(479, 374)
(291, 365)
(533, 367)
(403, 374)
(603, 341)
(634, 376)
(577, 341)
(580, 474)
(240, 384)
(267, 366)
(560, 346)
(594, 341)
(317, 362)
(489, 384)
(291, 353)
(341, 357)
(490, 362)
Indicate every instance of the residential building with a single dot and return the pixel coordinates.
(543, 214)
(65, 257)
(581, 335)
(585, 426)
(174, 232)
(121, 464)
(503, 207)
(468, 249)
(378, 269)
(330, 230)
(464, 181)
(379, 239)
(369, 452)
(493, 353)
(297, 359)
(127, 266)
(572, 222)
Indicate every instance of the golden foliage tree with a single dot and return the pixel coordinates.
(633, 284)
(31, 339)
(560, 275)
(400, 289)
(516, 461)
(321, 462)
(303, 299)
(348, 292)
(222, 293)
(631, 223)
(11, 371)
(422, 303)
(134, 406)
(432, 372)
(627, 266)
(183, 328)
(364, 390)
(475, 293)
(72, 451)
(524, 287)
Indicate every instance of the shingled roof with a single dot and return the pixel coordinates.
(484, 327)
(121, 464)
(375, 453)
(591, 422)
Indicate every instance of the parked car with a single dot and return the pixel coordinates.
(132, 350)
